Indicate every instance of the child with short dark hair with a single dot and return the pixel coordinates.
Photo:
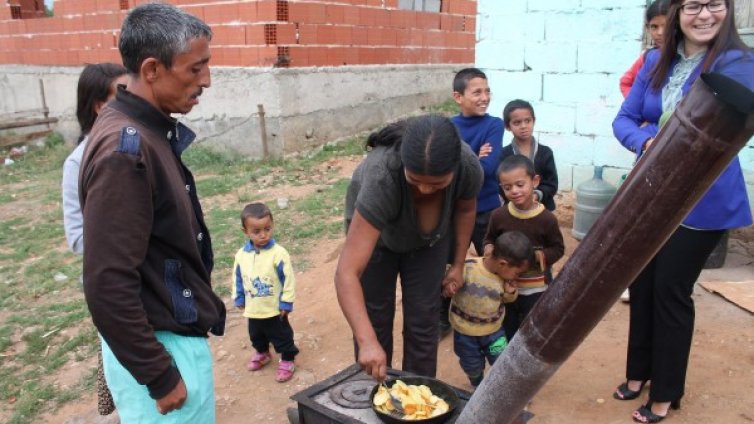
(655, 18)
(519, 119)
(264, 286)
(477, 309)
(484, 134)
(523, 213)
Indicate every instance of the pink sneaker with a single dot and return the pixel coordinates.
(258, 360)
(285, 371)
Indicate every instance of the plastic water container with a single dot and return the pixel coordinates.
(591, 198)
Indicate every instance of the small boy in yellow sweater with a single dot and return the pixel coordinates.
(264, 287)
(477, 308)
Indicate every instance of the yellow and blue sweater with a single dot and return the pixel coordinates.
(263, 280)
(478, 309)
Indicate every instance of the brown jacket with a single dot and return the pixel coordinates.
(148, 253)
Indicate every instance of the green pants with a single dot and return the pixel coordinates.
(192, 357)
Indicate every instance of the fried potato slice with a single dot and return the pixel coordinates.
(418, 401)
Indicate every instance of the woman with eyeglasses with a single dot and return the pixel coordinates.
(700, 36)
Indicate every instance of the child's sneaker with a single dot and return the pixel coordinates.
(285, 371)
(258, 360)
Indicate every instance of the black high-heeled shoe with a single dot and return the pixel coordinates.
(624, 393)
(645, 415)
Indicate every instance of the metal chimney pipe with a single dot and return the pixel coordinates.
(709, 127)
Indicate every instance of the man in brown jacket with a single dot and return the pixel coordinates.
(148, 259)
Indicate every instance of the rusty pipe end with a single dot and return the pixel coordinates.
(730, 92)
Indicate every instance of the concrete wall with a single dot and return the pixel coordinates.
(304, 107)
(566, 57)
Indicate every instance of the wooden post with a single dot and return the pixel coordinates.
(263, 131)
(45, 110)
(709, 127)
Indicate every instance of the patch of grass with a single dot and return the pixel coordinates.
(321, 213)
(229, 172)
(53, 140)
(9, 380)
(86, 383)
(448, 107)
(31, 400)
(5, 332)
(60, 354)
(348, 147)
(51, 318)
(221, 184)
(39, 165)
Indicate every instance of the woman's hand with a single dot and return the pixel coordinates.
(453, 281)
(373, 360)
(448, 290)
(647, 144)
(357, 250)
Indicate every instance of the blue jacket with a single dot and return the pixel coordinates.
(476, 131)
(725, 205)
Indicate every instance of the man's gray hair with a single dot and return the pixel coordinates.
(158, 30)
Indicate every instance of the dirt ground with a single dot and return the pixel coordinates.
(719, 378)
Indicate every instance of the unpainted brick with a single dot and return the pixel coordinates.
(286, 33)
(229, 35)
(335, 14)
(222, 13)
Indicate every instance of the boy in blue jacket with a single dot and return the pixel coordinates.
(265, 287)
(484, 134)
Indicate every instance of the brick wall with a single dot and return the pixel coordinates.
(293, 33)
(23, 9)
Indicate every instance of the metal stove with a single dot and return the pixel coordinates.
(344, 399)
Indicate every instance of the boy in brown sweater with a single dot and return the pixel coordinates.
(523, 213)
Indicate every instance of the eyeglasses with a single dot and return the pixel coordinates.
(695, 8)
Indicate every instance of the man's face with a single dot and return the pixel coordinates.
(177, 89)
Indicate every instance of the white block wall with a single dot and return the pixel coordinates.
(566, 57)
